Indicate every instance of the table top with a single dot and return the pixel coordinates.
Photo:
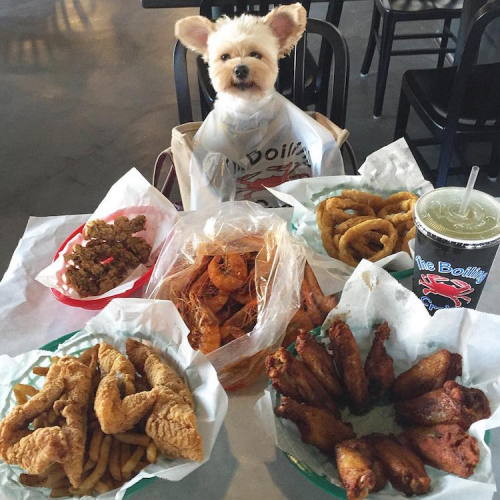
(244, 464)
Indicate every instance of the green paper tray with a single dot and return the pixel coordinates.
(52, 346)
(316, 479)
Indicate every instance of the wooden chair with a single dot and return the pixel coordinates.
(391, 12)
(457, 104)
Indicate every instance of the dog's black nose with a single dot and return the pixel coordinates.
(241, 71)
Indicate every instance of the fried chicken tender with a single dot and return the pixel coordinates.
(67, 389)
(428, 374)
(114, 413)
(379, 367)
(402, 467)
(317, 426)
(349, 366)
(292, 378)
(172, 423)
(360, 472)
(446, 447)
(317, 359)
(452, 404)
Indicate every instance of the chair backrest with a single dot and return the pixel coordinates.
(482, 18)
(324, 87)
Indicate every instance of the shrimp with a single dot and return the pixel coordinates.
(208, 294)
(228, 272)
(247, 292)
(230, 333)
(205, 335)
(245, 318)
(301, 322)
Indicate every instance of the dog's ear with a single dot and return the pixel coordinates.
(193, 32)
(288, 23)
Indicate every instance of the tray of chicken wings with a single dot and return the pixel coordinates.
(385, 400)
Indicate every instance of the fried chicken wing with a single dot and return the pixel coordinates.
(67, 389)
(317, 359)
(402, 467)
(428, 374)
(452, 404)
(292, 378)
(359, 471)
(114, 413)
(349, 366)
(317, 426)
(379, 367)
(446, 447)
(172, 423)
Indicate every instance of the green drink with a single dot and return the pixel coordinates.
(454, 250)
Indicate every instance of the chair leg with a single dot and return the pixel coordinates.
(370, 48)
(388, 25)
(445, 158)
(334, 11)
(494, 166)
(444, 42)
(402, 116)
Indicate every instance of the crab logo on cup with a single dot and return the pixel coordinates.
(455, 290)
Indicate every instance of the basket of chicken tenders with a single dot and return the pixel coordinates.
(367, 216)
(387, 401)
(101, 412)
(113, 254)
(234, 273)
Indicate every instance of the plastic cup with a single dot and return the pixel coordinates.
(454, 252)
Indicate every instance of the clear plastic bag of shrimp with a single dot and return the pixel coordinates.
(234, 273)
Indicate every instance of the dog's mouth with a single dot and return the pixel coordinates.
(244, 85)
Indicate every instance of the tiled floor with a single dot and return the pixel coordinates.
(86, 92)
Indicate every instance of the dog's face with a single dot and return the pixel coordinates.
(242, 53)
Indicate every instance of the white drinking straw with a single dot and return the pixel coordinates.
(468, 190)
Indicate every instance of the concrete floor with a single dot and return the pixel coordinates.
(86, 92)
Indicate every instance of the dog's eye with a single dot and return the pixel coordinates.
(256, 55)
(225, 57)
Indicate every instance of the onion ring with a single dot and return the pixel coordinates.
(373, 200)
(398, 212)
(408, 236)
(387, 239)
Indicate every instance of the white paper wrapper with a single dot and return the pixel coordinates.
(386, 171)
(156, 321)
(130, 196)
(370, 296)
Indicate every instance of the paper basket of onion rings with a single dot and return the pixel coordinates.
(234, 273)
(367, 216)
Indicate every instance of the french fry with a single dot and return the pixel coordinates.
(132, 462)
(88, 465)
(40, 370)
(29, 390)
(124, 453)
(133, 438)
(21, 397)
(151, 452)
(101, 466)
(139, 467)
(114, 461)
(59, 492)
(95, 444)
(102, 486)
(129, 388)
(51, 417)
(31, 479)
